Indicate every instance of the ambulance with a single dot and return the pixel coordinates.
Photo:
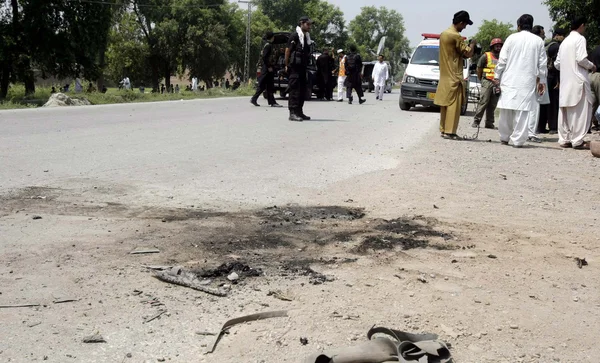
(422, 75)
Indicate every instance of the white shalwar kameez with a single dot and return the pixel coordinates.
(534, 116)
(522, 60)
(576, 99)
(341, 89)
(380, 76)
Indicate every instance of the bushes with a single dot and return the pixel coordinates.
(16, 96)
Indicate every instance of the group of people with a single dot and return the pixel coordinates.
(532, 83)
(348, 70)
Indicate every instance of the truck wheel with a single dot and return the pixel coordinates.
(405, 106)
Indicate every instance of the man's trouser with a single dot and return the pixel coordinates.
(514, 126)
(487, 104)
(595, 84)
(379, 91)
(551, 118)
(340, 87)
(297, 86)
(354, 84)
(450, 115)
(265, 83)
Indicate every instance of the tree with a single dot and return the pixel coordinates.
(371, 25)
(563, 11)
(328, 27)
(490, 29)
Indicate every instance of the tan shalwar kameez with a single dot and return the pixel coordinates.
(450, 91)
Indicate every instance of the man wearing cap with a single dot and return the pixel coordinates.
(550, 112)
(341, 75)
(450, 92)
(521, 75)
(297, 55)
(488, 97)
(267, 75)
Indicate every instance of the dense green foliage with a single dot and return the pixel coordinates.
(150, 41)
(490, 29)
(563, 11)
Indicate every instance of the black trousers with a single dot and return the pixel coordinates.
(265, 83)
(551, 118)
(297, 86)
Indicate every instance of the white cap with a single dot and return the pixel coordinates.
(340, 51)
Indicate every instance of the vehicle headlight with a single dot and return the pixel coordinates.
(411, 79)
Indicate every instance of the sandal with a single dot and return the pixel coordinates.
(566, 146)
(452, 137)
(584, 146)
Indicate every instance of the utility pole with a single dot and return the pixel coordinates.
(248, 41)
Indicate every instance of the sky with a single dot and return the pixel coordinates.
(435, 16)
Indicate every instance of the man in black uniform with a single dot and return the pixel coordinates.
(325, 65)
(297, 56)
(267, 75)
(549, 114)
(354, 75)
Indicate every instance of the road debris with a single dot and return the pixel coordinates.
(304, 341)
(245, 319)
(155, 316)
(503, 176)
(60, 301)
(233, 277)
(205, 333)
(581, 262)
(178, 276)
(492, 257)
(144, 250)
(422, 279)
(31, 325)
(96, 338)
(279, 295)
(19, 306)
(36, 217)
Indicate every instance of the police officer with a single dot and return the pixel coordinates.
(297, 55)
(267, 76)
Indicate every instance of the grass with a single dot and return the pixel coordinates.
(16, 96)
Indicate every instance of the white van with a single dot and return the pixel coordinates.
(422, 75)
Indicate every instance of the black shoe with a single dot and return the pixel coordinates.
(377, 97)
(276, 105)
(361, 101)
(294, 117)
(253, 101)
(304, 117)
(340, 100)
(349, 102)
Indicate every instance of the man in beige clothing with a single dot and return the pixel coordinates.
(450, 92)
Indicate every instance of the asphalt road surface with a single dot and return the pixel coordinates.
(220, 152)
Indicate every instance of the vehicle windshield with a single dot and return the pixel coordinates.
(429, 55)
(426, 54)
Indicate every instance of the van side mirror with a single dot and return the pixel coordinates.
(404, 60)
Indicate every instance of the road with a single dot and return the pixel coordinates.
(222, 152)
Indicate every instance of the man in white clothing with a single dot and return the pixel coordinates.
(341, 75)
(380, 76)
(521, 75)
(576, 98)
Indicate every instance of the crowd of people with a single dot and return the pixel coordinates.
(346, 70)
(539, 87)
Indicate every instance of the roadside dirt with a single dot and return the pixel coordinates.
(473, 241)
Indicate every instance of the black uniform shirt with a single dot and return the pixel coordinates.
(294, 44)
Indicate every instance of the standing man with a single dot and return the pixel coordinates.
(297, 55)
(381, 74)
(550, 114)
(576, 98)
(488, 97)
(354, 66)
(451, 92)
(341, 79)
(521, 75)
(324, 68)
(267, 74)
(544, 99)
